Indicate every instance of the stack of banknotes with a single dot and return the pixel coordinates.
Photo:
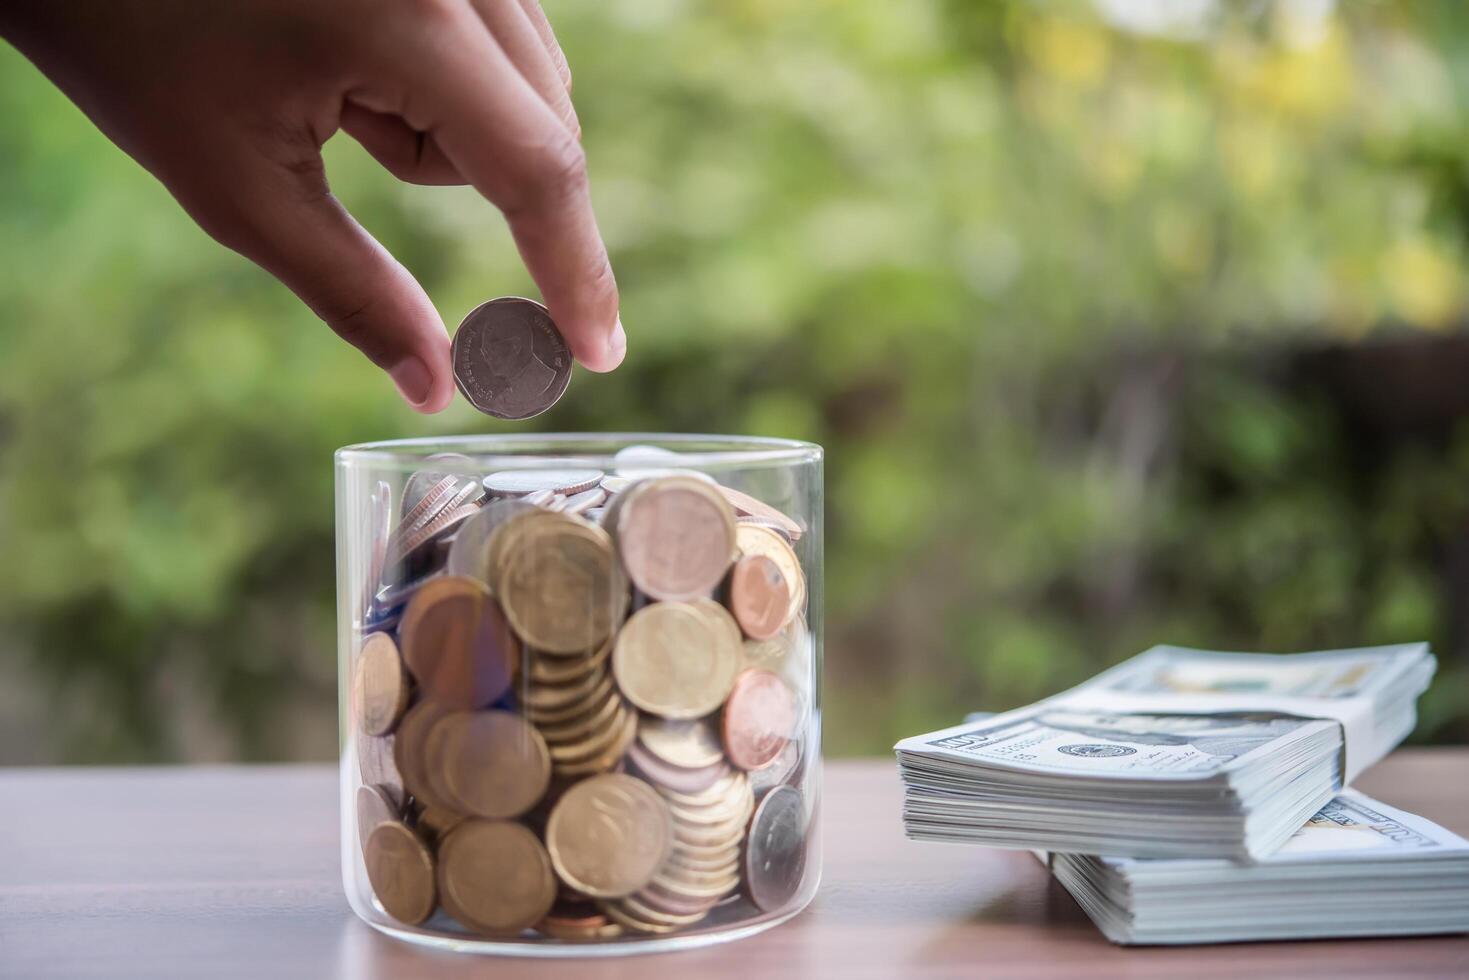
(1174, 765)
(1357, 868)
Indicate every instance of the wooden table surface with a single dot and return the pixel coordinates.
(233, 872)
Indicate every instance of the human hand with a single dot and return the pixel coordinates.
(229, 102)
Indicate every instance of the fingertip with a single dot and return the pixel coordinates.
(607, 354)
(426, 385)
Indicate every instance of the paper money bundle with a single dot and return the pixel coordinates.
(1175, 753)
(1357, 868)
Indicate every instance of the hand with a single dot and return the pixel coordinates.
(228, 103)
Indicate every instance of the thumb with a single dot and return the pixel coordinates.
(285, 219)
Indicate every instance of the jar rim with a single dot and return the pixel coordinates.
(528, 450)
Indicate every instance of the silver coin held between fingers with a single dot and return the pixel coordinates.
(510, 361)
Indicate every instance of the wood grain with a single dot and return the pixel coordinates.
(233, 872)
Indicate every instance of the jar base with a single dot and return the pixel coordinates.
(544, 949)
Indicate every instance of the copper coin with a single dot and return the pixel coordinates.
(376, 763)
(487, 763)
(687, 744)
(759, 596)
(676, 536)
(660, 773)
(753, 539)
(748, 506)
(577, 921)
(510, 361)
(675, 660)
(759, 718)
(409, 751)
(782, 770)
(495, 877)
(615, 911)
(775, 858)
(433, 824)
(457, 643)
(608, 835)
(379, 685)
(401, 871)
(374, 806)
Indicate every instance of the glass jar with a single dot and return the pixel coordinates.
(580, 688)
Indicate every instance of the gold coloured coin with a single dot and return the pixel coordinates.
(607, 759)
(675, 660)
(573, 711)
(401, 871)
(487, 763)
(495, 877)
(676, 536)
(753, 539)
(595, 718)
(689, 744)
(561, 669)
(550, 697)
(608, 835)
(615, 912)
(380, 685)
(595, 744)
(457, 643)
(560, 583)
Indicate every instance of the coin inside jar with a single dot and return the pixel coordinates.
(753, 539)
(675, 660)
(487, 763)
(759, 719)
(494, 877)
(457, 642)
(676, 536)
(374, 806)
(401, 871)
(560, 582)
(608, 835)
(759, 596)
(689, 744)
(748, 506)
(775, 857)
(509, 359)
(380, 686)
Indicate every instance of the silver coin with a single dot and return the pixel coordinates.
(422, 481)
(510, 361)
(775, 855)
(520, 483)
(581, 503)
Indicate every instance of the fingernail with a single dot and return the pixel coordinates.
(617, 340)
(413, 380)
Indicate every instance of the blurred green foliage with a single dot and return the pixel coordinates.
(1065, 293)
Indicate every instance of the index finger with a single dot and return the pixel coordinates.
(517, 152)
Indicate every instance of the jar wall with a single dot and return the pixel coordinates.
(580, 688)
